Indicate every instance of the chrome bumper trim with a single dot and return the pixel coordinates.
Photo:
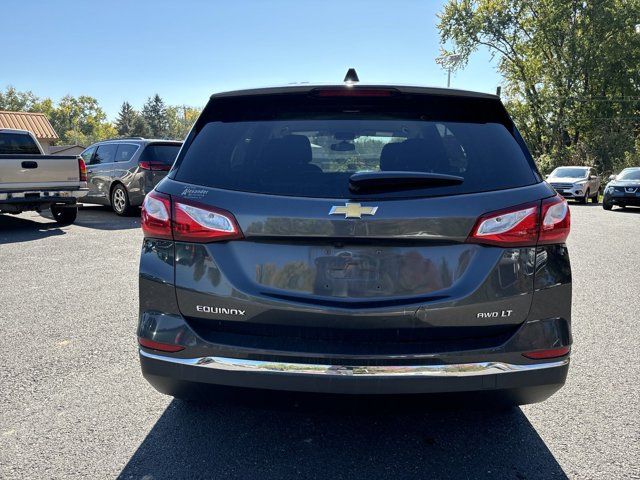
(44, 194)
(452, 370)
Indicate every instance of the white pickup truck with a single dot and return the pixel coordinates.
(30, 180)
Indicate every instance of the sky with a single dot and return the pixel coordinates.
(185, 50)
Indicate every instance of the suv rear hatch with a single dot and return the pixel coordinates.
(342, 218)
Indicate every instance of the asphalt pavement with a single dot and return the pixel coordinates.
(73, 403)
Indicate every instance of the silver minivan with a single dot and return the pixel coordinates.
(121, 172)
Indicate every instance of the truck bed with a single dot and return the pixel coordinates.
(38, 172)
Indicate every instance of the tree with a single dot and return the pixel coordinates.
(570, 68)
(180, 120)
(80, 120)
(155, 114)
(125, 120)
(140, 127)
(16, 101)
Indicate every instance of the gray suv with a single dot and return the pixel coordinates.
(355, 240)
(121, 172)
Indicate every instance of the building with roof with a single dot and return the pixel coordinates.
(37, 123)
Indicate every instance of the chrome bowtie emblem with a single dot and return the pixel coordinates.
(352, 210)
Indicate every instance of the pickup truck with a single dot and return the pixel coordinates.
(30, 180)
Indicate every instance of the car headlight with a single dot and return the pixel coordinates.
(580, 184)
(609, 189)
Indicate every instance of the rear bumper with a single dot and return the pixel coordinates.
(500, 369)
(16, 202)
(529, 383)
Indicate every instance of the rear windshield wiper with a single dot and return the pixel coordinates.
(400, 180)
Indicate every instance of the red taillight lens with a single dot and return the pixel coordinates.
(193, 222)
(556, 221)
(156, 216)
(82, 170)
(162, 347)
(525, 225)
(512, 227)
(185, 221)
(550, 353)
(154, 166)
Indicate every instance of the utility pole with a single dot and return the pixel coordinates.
(449, 62)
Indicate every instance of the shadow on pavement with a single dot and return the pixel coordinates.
(104, 218)
(18, 229)
(266, 436)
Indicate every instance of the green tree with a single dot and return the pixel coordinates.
(181, 119)
(140, 127)
(80, 120)
(155, 114)
(572, 81)
(125, 121)
(16, 101)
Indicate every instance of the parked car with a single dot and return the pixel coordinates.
(355, 240)
(623, 189)
(578, 183)
(121, 172)
(30, 180)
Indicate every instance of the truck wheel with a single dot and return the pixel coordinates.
(64, 215)
(120, 200)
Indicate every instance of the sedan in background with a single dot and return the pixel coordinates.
(623, 189)
(121, 172)
(578, 183)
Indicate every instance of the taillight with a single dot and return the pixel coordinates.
(154, 166)
(556, 221)
(193, 222)
(524, 225)
(512, 227)
(156, 216)
(175, 219)
(82, 170)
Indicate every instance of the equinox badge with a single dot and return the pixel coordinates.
(353, 210)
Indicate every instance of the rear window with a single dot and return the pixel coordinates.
(310, 146)
(17, 144)
(165, 154)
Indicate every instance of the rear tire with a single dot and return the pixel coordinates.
(120, 200)
(64, 215)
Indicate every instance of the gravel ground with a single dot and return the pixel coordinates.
(73, 403)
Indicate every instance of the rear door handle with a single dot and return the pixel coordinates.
(29, 164)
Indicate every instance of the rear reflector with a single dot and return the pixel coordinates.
(551, 353)
(175, 219)
(82, 170)
(163, 347)
(521, 225)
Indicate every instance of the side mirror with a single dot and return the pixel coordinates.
(612, 177)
